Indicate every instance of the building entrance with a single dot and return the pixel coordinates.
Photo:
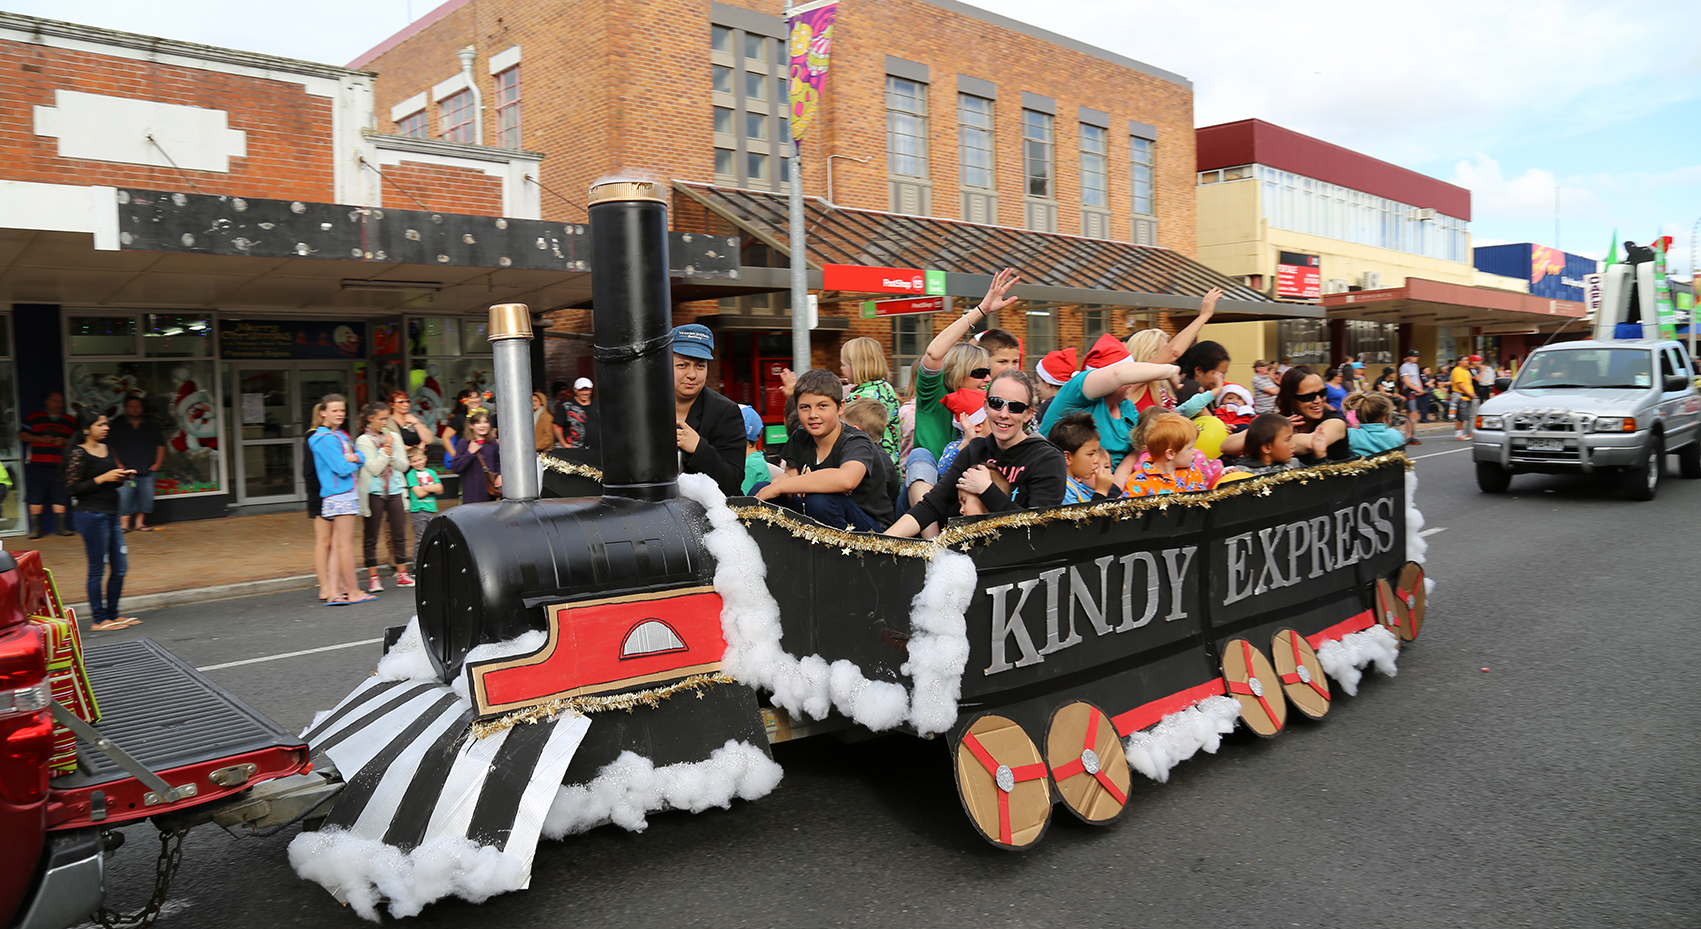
(273, 409)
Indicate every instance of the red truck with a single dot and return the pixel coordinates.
(169, 746)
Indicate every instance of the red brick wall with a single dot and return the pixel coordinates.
(413, 185)
(288, 130)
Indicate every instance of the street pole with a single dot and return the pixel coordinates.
(1694, 290)
(799, 269)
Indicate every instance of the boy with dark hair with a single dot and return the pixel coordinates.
(832, 473)
(1269, 446)
(1090, 477)
(1005, 349)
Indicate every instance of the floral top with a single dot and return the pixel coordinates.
(882, 391)
(1147, 480)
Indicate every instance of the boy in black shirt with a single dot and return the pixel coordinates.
(832, 472)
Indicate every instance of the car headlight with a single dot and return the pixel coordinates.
(1490, 422)
(1615, 424)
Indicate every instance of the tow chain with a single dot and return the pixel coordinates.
(170, 859)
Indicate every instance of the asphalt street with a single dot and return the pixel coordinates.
(1530, 766)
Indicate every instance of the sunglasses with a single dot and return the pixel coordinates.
(981, 373)
(1307, 398)
(1017, 407)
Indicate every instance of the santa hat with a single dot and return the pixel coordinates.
(1236, 399)
(1057, 367)
(1108, 350)
(966, 402)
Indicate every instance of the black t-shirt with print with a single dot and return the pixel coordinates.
(852, 445)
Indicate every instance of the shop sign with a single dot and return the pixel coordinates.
(903, 307)
(276, 339)
(1592, 284)
(1299, 276)
(865, 280)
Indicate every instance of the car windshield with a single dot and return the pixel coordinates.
(1587, 367)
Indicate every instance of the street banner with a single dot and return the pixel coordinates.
(1666, 312)
(811, 44)
(859, 279)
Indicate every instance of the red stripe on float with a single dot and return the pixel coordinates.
(1342, 629)
(1150, 714)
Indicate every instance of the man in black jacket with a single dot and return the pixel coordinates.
(710, 426)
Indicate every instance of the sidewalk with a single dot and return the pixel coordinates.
(196, 561)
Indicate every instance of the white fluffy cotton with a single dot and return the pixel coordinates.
(406, 660)
(809, 686)
(939, 641)
(523, 644)
(1344, 659)
(1416, 545)
(631, 786)
(364, 872)
(1179, 736)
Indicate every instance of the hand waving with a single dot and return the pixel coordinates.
(995, 292)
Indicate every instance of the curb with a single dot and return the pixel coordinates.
(189, 595)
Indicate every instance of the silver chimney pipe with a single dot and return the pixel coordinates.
(511, 343)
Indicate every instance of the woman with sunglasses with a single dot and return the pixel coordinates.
(1007, 470)
(1319, 432)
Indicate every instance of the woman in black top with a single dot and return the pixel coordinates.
(92, 476)
(1007, 470)
(1320, 433)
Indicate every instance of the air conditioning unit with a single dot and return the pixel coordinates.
(1335, 285)
(1372, 280)
(1424, 215)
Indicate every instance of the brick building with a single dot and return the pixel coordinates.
(953, 118)
(228, 236)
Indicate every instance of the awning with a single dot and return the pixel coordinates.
(1056, 269)
(1440, 304)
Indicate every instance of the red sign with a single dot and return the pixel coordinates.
(861, 280)
(873, 308)
(1298, 276)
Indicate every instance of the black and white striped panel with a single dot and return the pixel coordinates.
(414, 772)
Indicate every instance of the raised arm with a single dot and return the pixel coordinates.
(995, 300)
(1106, 380)
(1183, 340)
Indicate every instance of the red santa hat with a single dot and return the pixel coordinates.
(968, 401)
(1108, 350)
(1057, 367)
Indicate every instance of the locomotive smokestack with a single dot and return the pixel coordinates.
(511, 343)
(633, 340)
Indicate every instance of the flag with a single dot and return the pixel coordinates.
(1612, 253)
(811, 44)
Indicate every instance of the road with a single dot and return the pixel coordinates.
(1529, 766)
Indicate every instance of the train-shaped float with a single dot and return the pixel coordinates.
(614, 639)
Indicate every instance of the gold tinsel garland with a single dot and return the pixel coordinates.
(571, 468)
(581, 705)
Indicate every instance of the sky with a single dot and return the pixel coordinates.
(1595, 105)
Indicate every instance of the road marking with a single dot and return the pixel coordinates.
(280, 657)
(1429, 532)
(1451, 451)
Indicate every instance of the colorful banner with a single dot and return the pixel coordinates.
(811, 45)
(1667, 313)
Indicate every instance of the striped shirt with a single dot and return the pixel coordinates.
(42, 424)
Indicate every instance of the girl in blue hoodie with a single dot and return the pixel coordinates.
(335, 460)
(1373, 435)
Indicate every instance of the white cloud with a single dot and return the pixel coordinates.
(1535, 194)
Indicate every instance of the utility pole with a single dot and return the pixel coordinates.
(1694, 291)
(799, 251)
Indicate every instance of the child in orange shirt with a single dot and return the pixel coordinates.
(1175, 466)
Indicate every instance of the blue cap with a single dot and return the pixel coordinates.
(752, 423)
(694, 340)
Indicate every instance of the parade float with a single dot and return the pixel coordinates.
(614, 639)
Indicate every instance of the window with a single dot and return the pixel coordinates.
(720, 39)
(910, 335)
(725, 165)
(723, 121)
(723, 80)
(414, 124)
(1095, 321)
(756, 86)
(756, 126)
(906, 126)
(455, 117)
(508, 108)
(1140, 155)
(974, 132)
(1095, 151)
(1042, 333)
(748, 102)
(1302, 204)
(757, 166)
(1036, 153)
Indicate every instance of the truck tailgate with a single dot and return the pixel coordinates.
(178, 724)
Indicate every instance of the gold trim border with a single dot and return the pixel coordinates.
(578, 706)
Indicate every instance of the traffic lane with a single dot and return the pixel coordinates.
(1444, 797)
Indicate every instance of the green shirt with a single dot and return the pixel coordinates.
(755, 471)
(882, 391)
(932, 419)
(416, 503)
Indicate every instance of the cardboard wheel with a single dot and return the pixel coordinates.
(1301, 674)
(1087, 763)
(1253, 683)
(1392, 612)
(1003, 783)
(1410, 588)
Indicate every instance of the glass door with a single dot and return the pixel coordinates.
(274, 403)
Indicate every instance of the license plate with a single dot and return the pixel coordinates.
(1547, 445)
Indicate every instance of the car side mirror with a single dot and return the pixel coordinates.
(1502, 384)
(1678, 382)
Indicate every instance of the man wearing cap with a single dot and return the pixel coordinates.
(1264, 389)
(709, 427)
(1054, 370)
(576, 422)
